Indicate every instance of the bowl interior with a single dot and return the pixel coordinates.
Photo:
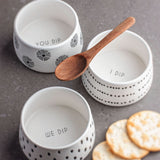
(55, 117)
(124, 59)
(45, 23)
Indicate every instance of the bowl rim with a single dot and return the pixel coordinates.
(55, 88)
(149, 65)
(15, 25)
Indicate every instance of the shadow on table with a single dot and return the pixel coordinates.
(15, 150)
(8, 55)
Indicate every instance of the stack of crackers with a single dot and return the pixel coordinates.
(131, 139)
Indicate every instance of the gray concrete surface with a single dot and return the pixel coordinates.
(17, 83)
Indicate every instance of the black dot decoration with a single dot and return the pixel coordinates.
(76, 154)
(28, 61)
(43, 55)
(147, 87)
(102, 91)
(111, 87)
(35, 146)
(119, 96)
(59, 152)
(60, 59)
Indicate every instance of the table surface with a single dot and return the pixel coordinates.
(18, 83)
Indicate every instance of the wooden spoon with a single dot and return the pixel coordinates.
(74, 66)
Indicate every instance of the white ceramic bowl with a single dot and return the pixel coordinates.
(122, 72)
(56, 123)
(45, 33)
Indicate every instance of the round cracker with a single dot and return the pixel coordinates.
(103, 152)
(120, 143)
(144, 130)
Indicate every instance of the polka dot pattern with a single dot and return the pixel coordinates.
(77, 152)
(116, 95)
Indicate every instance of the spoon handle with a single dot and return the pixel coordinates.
(127, 23)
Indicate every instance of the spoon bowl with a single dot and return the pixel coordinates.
(78, 65)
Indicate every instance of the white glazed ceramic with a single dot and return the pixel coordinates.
(121, 74)
(45, 33)
(56, 124)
